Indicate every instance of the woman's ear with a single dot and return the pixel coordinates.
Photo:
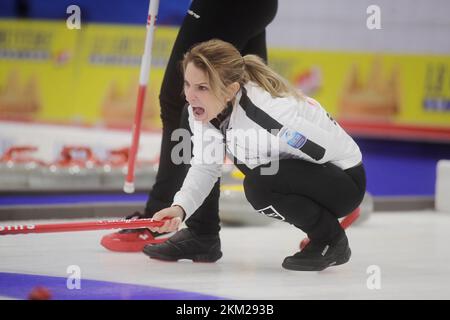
(233, 89)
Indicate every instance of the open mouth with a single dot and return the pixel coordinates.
(198, 111)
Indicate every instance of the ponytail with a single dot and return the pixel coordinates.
(268, 79)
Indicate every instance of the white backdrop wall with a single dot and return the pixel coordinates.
(407, 26)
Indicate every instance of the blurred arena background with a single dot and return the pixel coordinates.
(61, 87)
(67, 100)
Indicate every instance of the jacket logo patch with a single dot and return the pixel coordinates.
(293, 138)
(271, 212)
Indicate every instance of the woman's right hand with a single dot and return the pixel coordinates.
(176, 215)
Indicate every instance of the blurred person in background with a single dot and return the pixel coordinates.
(241, 23)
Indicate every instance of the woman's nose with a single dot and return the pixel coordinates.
(190, 96)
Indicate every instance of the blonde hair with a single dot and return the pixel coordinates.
(223, 65)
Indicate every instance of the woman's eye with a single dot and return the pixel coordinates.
(203, 88)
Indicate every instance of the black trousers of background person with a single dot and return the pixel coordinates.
(310, 196)
(240, 22)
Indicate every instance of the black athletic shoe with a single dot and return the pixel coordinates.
(317, 257)
(185, 244)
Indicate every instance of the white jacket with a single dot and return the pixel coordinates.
(259, 129)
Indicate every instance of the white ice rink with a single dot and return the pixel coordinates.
(410, 249)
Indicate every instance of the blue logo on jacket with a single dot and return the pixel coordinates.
(294, 139)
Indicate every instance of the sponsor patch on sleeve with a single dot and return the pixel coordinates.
(293, 138)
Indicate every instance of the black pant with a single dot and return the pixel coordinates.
(239, 22)
(310, 196)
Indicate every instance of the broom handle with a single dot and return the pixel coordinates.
(143, 81)
(79, 226)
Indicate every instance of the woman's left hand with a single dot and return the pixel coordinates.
(176, 213)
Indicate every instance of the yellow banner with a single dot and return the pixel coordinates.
(108, 73)
(36, 69)
(402, 89)
(87, 76)
(90, 76)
